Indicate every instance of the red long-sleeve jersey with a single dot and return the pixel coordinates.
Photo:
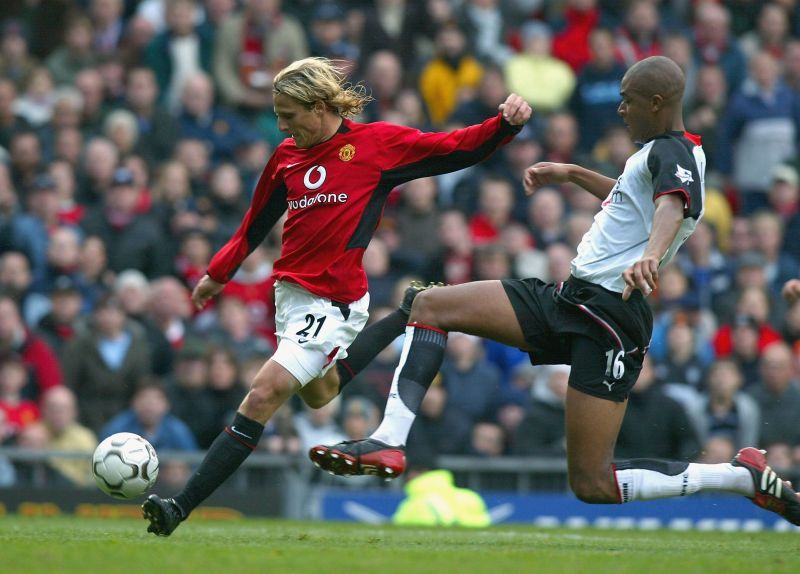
(335, 192)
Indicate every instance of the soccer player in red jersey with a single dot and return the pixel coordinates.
(333, 176)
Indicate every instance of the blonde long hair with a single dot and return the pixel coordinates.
(313, 80)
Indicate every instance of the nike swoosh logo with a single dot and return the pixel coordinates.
(301, 341)
(233, 429)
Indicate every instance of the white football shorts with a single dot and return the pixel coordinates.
(314, 332)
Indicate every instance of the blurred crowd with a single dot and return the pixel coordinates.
(132, 133)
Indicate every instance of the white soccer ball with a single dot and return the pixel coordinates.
(125, 465)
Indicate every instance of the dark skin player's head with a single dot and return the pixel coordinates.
(651, 91)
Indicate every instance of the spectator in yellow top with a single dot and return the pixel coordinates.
(554, 79)
(451, 77)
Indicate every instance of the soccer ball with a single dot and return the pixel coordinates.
(125, 465)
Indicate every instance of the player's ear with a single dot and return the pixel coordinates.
(657, 102)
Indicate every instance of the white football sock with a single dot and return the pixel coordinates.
(643, 484)
(397, 417)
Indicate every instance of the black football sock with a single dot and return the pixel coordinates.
(423, 352)
(224, 456)
(369, 343)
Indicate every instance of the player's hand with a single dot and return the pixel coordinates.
(205, 289)
(544, 173)
(791, 291)
(516, 111)
(642, 275)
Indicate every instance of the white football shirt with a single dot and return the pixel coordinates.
(670, 163)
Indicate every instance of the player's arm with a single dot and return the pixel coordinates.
(667, 220)
(411, 154)
(677, 194)
(267, 206)
(548, 173)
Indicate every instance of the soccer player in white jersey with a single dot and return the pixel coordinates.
(598, 320)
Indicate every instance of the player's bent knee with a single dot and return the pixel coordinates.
(593, 489)
(424, 308)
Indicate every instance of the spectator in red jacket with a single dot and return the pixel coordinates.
(36, 355)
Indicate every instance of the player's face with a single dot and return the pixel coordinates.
(635, 110)
(295, 119)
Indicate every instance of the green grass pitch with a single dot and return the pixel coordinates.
(84, 545)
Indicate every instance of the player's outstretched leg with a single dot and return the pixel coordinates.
(771, 492)
(272, 386)
(481, 309)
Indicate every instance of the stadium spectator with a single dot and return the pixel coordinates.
(16, 62)
(170, 310)
(328, 36)
(191, 399)
(390, 25)
(784, 199)
(768, 240)
(314, 425)
(149, 417)
(714, 44)
(596, 96)
(105, 362)
(486, 24)
(417, 219)
(250, 46)
(778, 396)
(442, 428)
(75, 54)
(133, 240)
(536, 61)
(541, 432)
(60, 325)
(758, 131)
(546, 211)
(39, 359)
(235, 329)
(706, 107)
(158, 129)
(226, 202)
(639, 35)
(35, 104)
(60, 418)
(472, 382)
(178, 52)
(384, 78)
(18, 411)
(26, 160)
(91, 85)
(573, 42)
(681, 365)
(494, 206)
(16, 281)
(450, 76)
(670, 434)
(10, 122)
(488, 439)
(791, 64)
(201, 119)
(108, 24)
(771, 34)
(561, 137)
(704, 265)
(724, 410)
(224, 383)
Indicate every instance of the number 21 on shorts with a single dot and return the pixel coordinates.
(311, 321)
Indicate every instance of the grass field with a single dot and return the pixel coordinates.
(66, 545)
